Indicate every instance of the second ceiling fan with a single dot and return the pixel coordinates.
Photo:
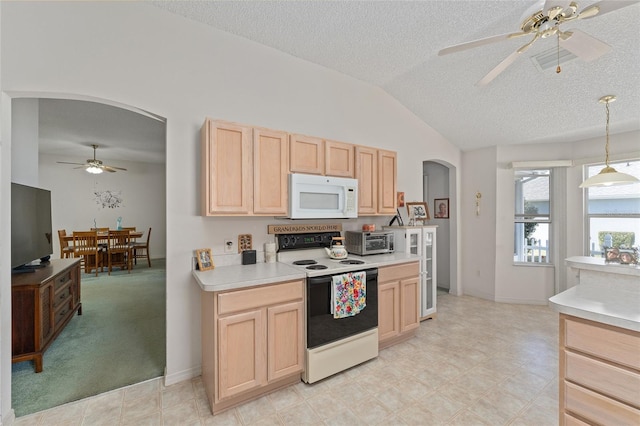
(94, 166)
(543, 20)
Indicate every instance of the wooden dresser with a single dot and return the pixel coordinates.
(43, 303)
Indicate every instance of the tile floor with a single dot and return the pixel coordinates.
(477, 363)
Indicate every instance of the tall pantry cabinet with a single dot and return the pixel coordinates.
(420, 240)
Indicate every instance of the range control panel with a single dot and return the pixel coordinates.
(302, 241)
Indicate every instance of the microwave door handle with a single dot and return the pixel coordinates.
(344, 199)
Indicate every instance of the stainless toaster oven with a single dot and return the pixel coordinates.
(364, 243)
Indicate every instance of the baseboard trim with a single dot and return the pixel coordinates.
(522, 301)
(8, 419)
(180, 376)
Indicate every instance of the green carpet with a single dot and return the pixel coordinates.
(118, 340)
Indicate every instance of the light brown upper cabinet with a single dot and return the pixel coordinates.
(244, 170)
(376, 174)
(227, 168)
(270, 170)
(307, 154)
(339, 159)
(367, 175)
(387, 182)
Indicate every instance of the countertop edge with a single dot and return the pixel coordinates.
(596, 264)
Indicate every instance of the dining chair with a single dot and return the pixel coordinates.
(66, 249)
(119, 250)
(85, 245)
(141, 250)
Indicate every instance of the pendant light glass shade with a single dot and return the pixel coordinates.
(608, 176)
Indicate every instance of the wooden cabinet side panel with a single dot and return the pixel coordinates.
(241, 353)
(366, 172)
(307, 154)
(388, 310)
(285, 325)
(23, 321)
(339, 159)
(208, 335)
(271, 168)
(387, 182)
(410, 299)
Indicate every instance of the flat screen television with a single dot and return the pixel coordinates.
(31, 236)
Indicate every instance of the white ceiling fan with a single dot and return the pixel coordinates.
(542, 20)
(94, 166)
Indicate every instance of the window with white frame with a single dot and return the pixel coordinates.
(613, 212)
(532, 218)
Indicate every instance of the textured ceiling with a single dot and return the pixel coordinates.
(394, 45)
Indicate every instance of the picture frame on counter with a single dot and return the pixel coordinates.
(441, 208)
(205, 259)
(418, 212)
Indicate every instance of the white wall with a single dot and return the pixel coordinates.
(478, 232)
(183, 71)
(24, 152)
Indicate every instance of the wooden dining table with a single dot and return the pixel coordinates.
(103, 239)
(103, 236)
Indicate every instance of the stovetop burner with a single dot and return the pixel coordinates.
(305, 262)
(352, 262)
(317, 267)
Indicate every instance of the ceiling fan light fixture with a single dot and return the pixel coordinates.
(94, 170)
(608, 176)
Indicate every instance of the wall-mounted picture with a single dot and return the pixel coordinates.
(400, 196)
(441, 208)
(205, 259)
(418, 211)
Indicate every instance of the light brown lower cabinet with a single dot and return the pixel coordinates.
(599, 373)
(398, 303)
(252, 342)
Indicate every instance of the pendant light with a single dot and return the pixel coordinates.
(608, 176)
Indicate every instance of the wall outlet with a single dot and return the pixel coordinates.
(228, 246)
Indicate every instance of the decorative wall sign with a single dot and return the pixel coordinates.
(302, 229)
(108, 198)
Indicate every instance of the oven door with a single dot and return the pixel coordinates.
(322, 328)
(377, 242)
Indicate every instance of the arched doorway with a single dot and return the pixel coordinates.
(440, 182)
(128, 121)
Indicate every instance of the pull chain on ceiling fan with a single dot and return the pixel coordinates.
(543, 20)
(94, 166)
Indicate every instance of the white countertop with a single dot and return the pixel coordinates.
(238, 276)
(610, 301)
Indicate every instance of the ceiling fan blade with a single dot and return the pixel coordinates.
(479, 42)
(602, 7)
(66, 162)
(583, 45)
(506, 63)
(115, 168)
(498, 69)
(108, 169)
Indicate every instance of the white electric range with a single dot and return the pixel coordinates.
(332, 344)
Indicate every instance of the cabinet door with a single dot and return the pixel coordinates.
(285, 341)
(307, 154)
(367, 175)
(242, 364)
(270, 170)
(409, 300)
(387, 178)
(226, 168)
(339, 159)
(388, 310)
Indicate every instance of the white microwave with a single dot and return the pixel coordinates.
(322, 197)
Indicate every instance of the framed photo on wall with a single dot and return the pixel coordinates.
(205, 259)
(441, 208)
